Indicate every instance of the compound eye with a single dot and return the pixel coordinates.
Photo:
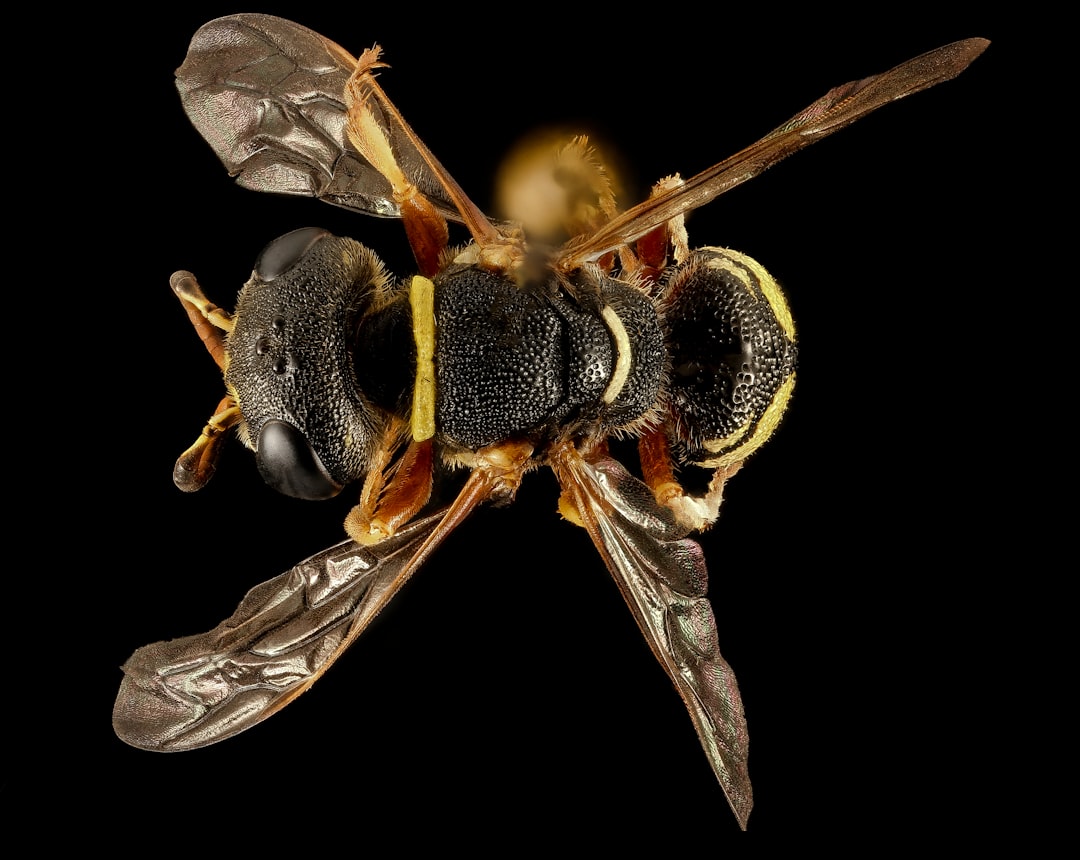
(289, 465)
(286, 251)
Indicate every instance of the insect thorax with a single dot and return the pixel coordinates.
(533, 361)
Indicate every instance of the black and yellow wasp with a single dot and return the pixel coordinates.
(497, 358)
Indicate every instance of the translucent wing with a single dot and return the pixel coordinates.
(663, 579)
(268, 96)
(198, 690)
(838, 108)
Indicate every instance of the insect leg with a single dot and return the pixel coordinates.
(386, 506)
(425, 227)
(695, 512)
(666, 243)
(498, 252)
(198, 463)
(210, 321)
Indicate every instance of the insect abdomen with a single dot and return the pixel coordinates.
(732, 346)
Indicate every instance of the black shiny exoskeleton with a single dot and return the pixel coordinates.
(532, 361)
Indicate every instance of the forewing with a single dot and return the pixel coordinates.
(198, 690)
(662, 576)
(838, 108)
(268, 96)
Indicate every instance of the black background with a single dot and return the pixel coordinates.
(508, 683)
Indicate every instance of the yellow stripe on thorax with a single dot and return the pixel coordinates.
(623, 356)
(422, 301)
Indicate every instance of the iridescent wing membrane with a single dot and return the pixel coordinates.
(197, 690)
(661, 574)
(268, 96)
